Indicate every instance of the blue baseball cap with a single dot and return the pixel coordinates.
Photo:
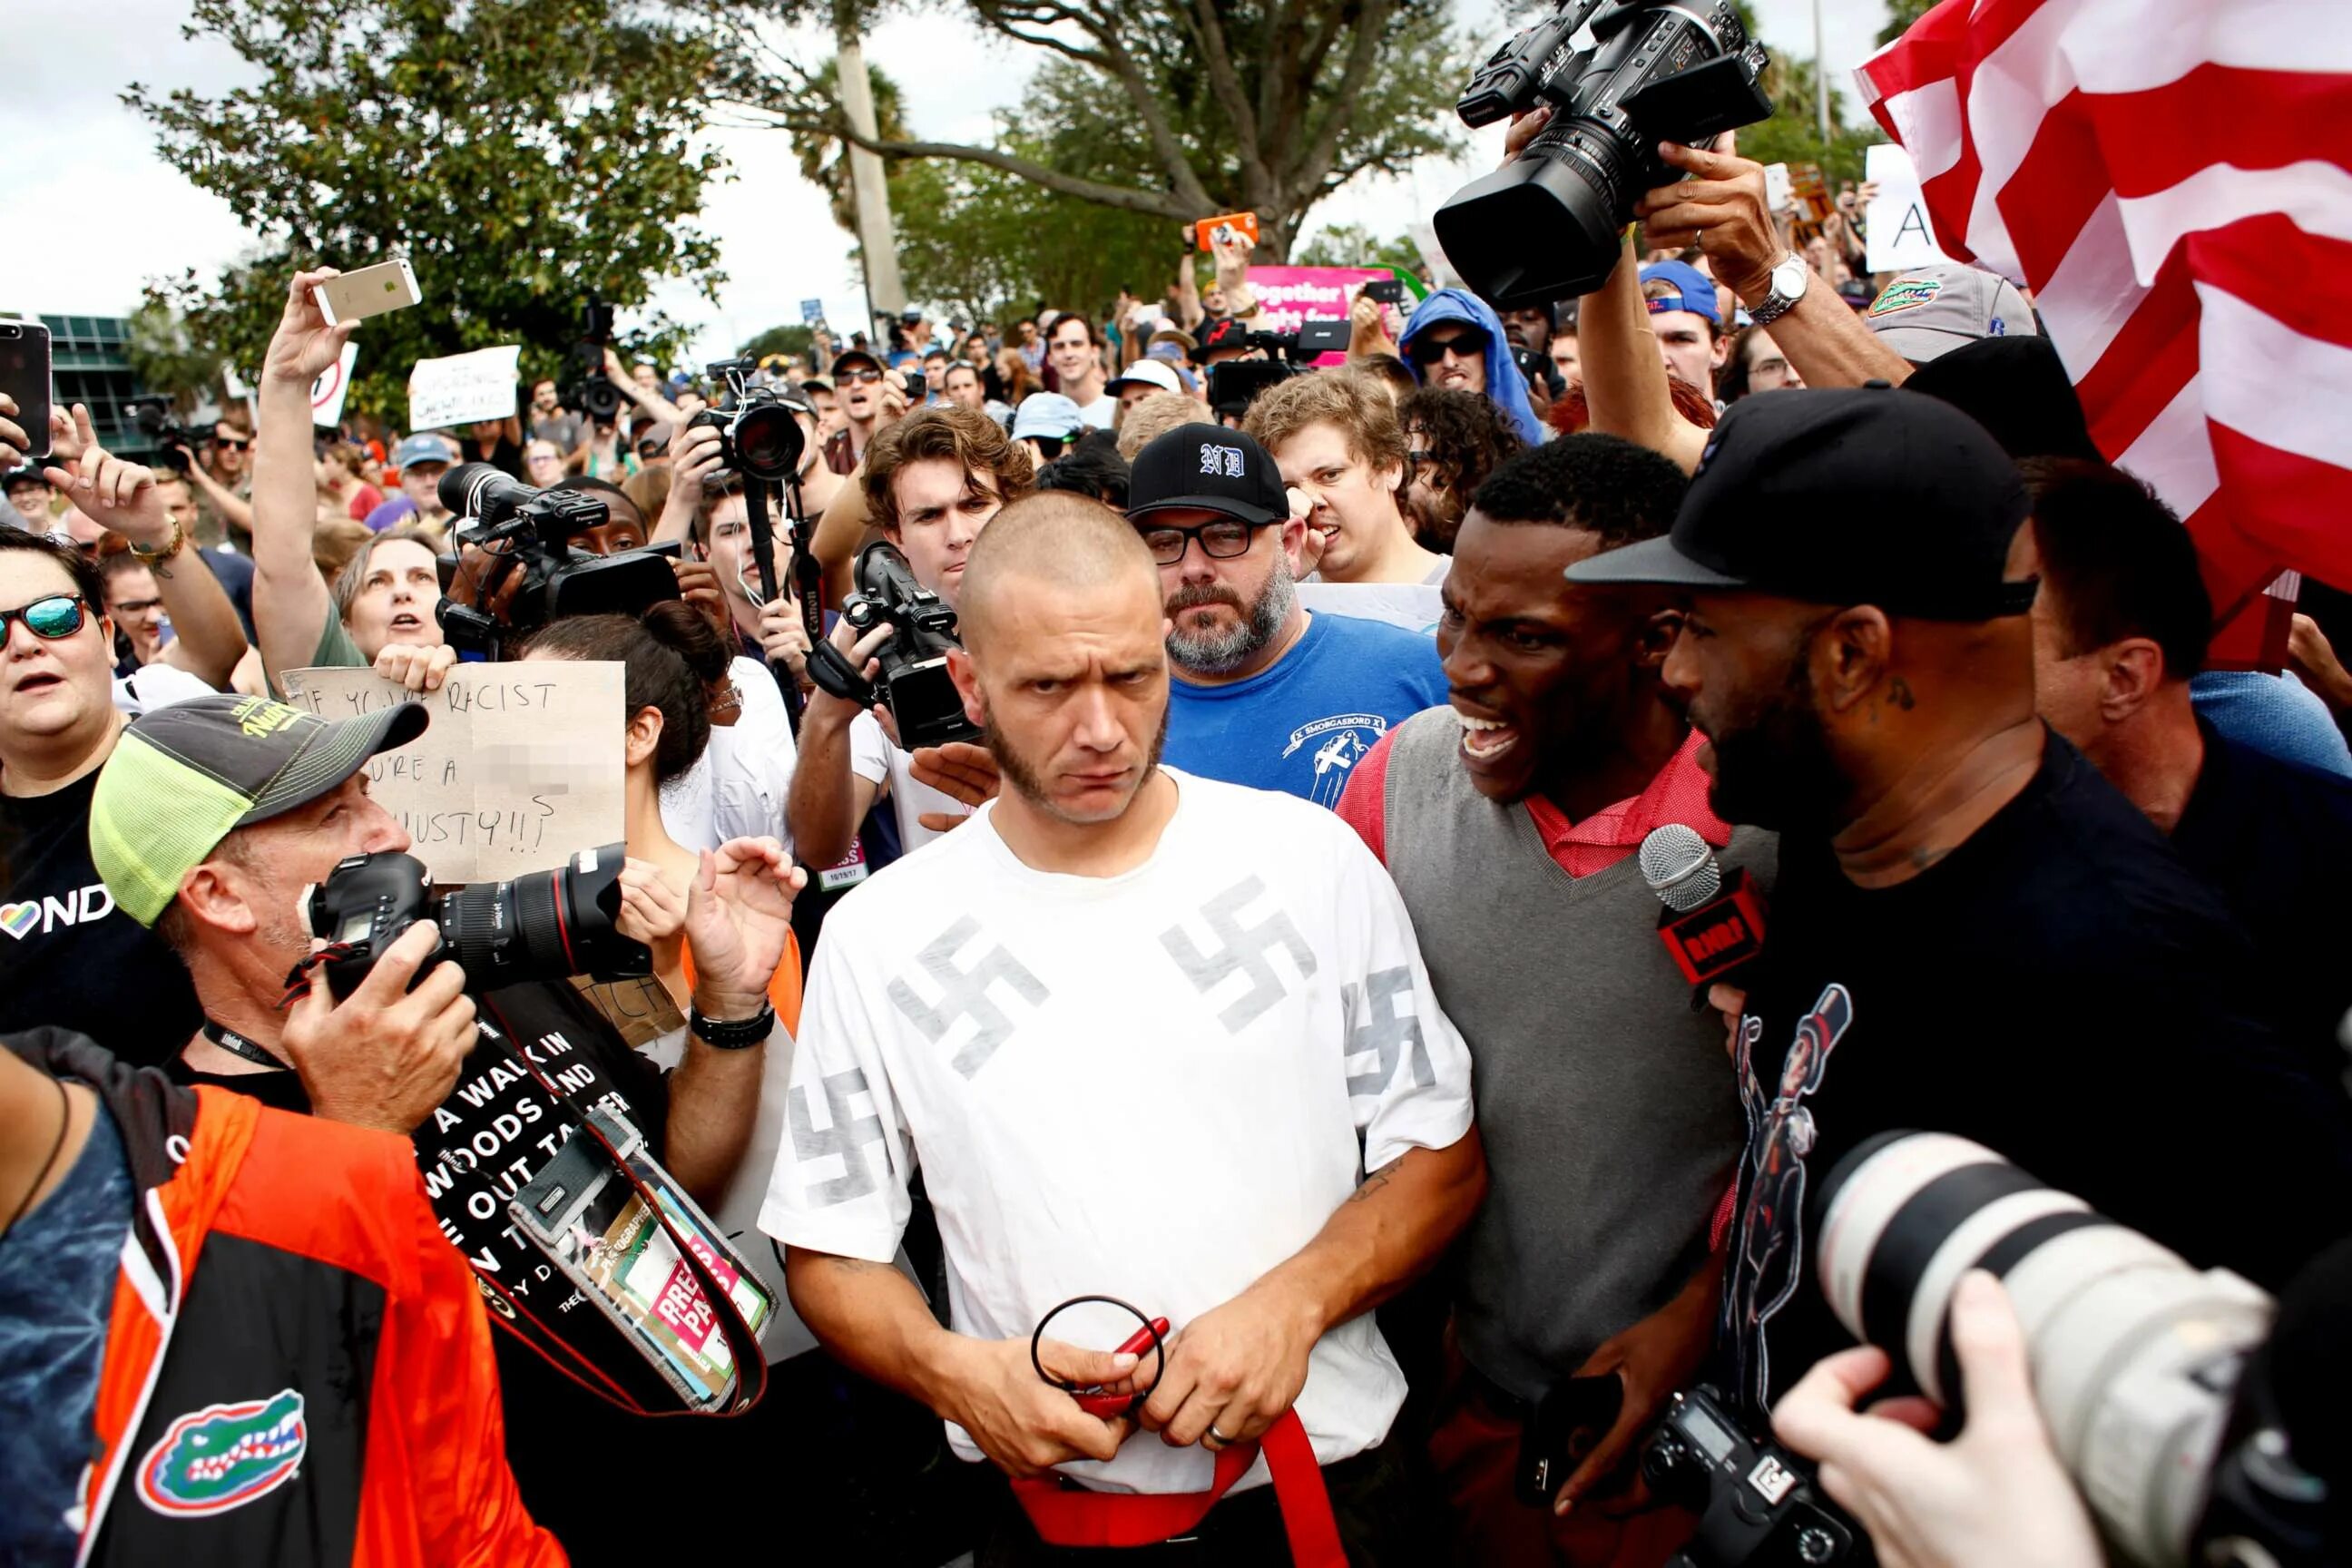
(1694, 291)
(422, 448)
(1046, 413)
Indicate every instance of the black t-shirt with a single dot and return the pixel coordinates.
(2277, 840)
(70, 958)
(2059, 988)
(490, 1136)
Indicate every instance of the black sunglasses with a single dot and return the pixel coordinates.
(1428, 351)
(57, 615)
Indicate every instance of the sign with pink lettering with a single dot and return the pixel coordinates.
(1293, 294)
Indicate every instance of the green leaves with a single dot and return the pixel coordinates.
(523, 155)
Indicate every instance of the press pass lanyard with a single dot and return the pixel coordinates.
(237, 1046)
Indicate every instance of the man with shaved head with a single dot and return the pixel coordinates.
(1135, 1055)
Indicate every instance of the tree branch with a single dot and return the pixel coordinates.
(1160, 203)
(1314, 164)
(1257, 180)
(1192, 198)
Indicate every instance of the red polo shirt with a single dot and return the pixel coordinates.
(1678, 794)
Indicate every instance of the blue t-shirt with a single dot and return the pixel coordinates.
(57, 1287)
(2277, 715)
(1301, 725)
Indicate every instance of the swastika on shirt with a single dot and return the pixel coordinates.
(1240, 949)
(963, 994)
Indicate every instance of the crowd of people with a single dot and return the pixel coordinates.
(1273, 950)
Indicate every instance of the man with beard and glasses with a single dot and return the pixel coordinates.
(1557, 755)
(1275, 1138)
(1972, 931)
(1264, 693)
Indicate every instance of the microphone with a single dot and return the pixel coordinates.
(480, 491)
(1712, 923)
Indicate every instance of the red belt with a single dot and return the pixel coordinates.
(1064, 1517)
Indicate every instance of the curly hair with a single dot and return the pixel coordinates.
(1466, 435)
(1364, 414)
(973, 442)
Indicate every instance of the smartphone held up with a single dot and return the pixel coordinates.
(369, 291)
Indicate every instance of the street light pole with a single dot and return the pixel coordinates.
(1821, 75)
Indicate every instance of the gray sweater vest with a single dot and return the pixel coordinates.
(1607, 1104)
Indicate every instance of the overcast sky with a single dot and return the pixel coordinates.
(98, 213)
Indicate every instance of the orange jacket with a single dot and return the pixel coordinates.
(297, 1365)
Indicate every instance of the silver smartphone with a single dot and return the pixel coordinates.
(369, 291)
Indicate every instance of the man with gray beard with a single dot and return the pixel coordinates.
(1265, 693)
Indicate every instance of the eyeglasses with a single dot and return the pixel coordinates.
(1428, 351)
(59, 615)
(1218, 541)
(858, 377)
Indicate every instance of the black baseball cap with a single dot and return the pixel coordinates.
(1853, 496)
(1209, 468)
(846, 355)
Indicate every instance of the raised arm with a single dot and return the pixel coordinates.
(290, 603)
(1724, 207)
(1624, 377)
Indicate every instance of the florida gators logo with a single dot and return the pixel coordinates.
(225, 1455)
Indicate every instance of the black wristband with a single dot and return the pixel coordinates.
(732, 1034)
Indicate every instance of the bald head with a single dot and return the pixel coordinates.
(1043, 546)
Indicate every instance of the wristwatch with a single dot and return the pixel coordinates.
(1790, 280)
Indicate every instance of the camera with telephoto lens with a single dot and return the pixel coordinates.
(923, 700)
(759, 436)
(2160, 1384)
(1235, 383)
(1621, 76)
(593, 392)
(530, 532)
(174, 442)
(549, 925)
(1756, 1501)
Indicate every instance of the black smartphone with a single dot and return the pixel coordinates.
(1387, 291)
(1568, 1424)
(918, 386)
(25, 377)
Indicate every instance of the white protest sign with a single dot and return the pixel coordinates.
(462, 388)
(1901, 234)
(519, 769)
(334, 384)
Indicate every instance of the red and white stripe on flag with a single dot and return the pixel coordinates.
(2173, 180)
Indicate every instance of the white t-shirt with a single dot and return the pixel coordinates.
(154, 686)
(1099, 413)
(1150, 1086)
(738, 787)
(1415, 606)
(873, 758)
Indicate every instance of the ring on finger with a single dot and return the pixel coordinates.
(1220, 1436)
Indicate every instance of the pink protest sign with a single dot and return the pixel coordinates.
(1292, 294)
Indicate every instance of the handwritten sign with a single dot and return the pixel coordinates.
(334, 384)
(519, 769)
(462, 388)
(1901, 234)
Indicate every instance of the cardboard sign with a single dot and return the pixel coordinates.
(334, 384)
(519, 770)
(462, 388)
(1899, 233)
(1292, 294)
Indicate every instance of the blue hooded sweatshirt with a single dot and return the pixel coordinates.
(1506, 389)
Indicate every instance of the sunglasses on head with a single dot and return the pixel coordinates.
(1428, 351)
(57, 615)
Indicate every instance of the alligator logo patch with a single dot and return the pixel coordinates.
(225, 1455)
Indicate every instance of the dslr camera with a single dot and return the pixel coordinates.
(1754, 1499)
(922, 698)
(759, 433)
(530, 532)
(174, 442)
(592, 392)
(1620, 76)
(549, 925)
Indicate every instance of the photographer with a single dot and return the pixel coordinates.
(221, 476)
(933, 481)
(273, 799)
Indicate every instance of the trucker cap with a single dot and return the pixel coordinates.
(1209, 468)
(1853, 496)
(184, 777)
(1934, 310)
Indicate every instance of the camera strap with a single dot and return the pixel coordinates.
(827, 666)
(742, 1343)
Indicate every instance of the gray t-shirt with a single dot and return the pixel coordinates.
(564, 430)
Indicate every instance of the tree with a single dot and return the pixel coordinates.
(797, 338)
(1900, 15)
(166, 359)
(524, 153)
(1354, 245)
(1193, 106)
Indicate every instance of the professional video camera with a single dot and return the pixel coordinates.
(1235, 383)
(924, 703)
(1622, 76)
(592, 392)
(549, 925)
(758, 436)
(2162, 1387)
(530, 532)
(174, 442)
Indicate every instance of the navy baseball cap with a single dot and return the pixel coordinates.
(1207, 468)
(1851, 496)
(1694, 291)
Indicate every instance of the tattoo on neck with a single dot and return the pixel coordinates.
(1898, 691)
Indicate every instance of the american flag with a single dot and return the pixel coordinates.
(2173, 180)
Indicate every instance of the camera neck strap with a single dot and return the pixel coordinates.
(742, 1343)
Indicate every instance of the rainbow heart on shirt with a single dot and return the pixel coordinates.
(18, 919)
